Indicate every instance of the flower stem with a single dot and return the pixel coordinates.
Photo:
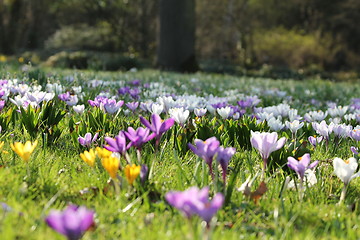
(116, 186)
(301, 190)
(343, 194)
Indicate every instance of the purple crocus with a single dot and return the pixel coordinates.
(157, 126)
(139, 137)
(98, 101)
(87, 139)
(195, 201)
(223, 157)
(206, 150)
(64, 96)
(117, 144)
(301, 165)
(2, 104)
(132, 106)
(73, 222)
(315, 140)
(111, 106)
(354, 150)
(355, 134)
(266, 143)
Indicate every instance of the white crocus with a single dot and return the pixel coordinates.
(157, 108)
(275, 124)
(294, 126)
(224, 112)
(199, 112)
(79, 108)
(179, 115)
(345, 170)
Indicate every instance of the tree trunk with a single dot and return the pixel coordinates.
(176, 37)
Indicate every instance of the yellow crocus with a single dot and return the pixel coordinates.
(111, 165)
(103, 153)
(132, 172)
(24, 150)
(1, 144)
(89, 157)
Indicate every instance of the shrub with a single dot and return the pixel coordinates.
(83, 37)
(289, 48)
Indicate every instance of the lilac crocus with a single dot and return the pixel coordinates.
(223, 157)
(206, 150)
(266, 143)
(87, 140)
(195, 201)
(2, 104)
(111, 106)
(64, 96)
(355, 134)
(132, 106)
(157, 126)
(301, 165)
(139, 137)
(117, 144)
(73, 222)
(315, 140)
(354, 150)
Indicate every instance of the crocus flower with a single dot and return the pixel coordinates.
(24, 150)
(294, 126)
(199, 112)
(132, 172)
(223, 157)
(111, 106)
(157, 126)
(2, 104)
(355, 134)
(73, 222)
(195, 201)
(102, 152)
(87, 139)
(89, 157)
(117, 144)
(139, 137)
(301, 165)
(354, 150)
(111, 165)
(206, 150)
(79, 108)
(266, 143)
(132, 106)
(345, 171)
(224, 112)
(315, 140)
(179, 115)
(143, 172)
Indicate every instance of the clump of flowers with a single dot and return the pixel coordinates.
(73, 222)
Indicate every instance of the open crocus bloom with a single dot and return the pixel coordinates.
(301, 165)
(345, 169)
(266, 143)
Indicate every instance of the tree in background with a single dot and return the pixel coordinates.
(176, 43)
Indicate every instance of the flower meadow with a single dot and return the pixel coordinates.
(152, 155)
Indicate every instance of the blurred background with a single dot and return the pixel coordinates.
(273, 38)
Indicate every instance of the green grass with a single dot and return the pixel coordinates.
(57, 175)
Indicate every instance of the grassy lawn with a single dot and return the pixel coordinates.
(55, 175)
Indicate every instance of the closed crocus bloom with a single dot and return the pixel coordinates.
(345, 169)
(24, 150)
(132, 172)
(103, 153)
(89, 157)
(73, 222)
(111, 165)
